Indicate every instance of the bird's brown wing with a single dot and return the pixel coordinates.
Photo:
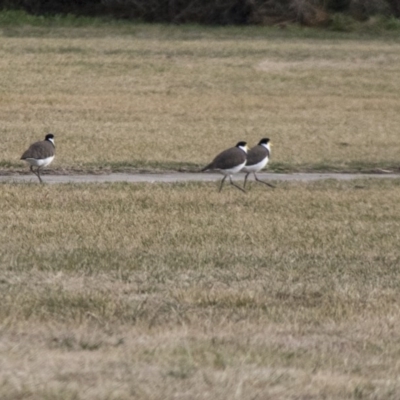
(39, 150)
(229, 158)
(256, 154)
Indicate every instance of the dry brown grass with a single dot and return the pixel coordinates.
(174, 97)
(176, 291)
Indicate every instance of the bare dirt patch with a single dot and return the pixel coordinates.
(270, 65)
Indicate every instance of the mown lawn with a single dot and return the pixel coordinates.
(157, 291)
(165, 291)
(134, 97)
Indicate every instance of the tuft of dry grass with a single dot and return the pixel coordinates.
(171, 98)
(157, 291)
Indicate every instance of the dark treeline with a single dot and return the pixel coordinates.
(221, 12)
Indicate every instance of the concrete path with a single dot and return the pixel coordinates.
(172, 177)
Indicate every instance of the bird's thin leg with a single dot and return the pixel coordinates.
(33, 171)
(245, 180)
(38, 175)
(265, 183)
(222, 182)
(230, 178)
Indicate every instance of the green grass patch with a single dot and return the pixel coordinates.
(18, 18)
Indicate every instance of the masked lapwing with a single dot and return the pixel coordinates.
(257, 159)
(40, 154)
(229, 162)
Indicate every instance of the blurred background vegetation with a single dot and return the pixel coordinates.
(321, 13)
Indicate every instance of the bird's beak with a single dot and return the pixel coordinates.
(270, 144)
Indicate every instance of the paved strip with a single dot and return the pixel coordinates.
(184, 177)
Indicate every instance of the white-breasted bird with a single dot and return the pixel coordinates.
(257, 158)
(40, 154)
(229, 162)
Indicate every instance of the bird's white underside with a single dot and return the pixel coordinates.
(233, 170)
(40, 162)
(256, 167)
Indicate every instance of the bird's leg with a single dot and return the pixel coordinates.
(33, 171)
(38, 175)
(265, 183)
(222, 182)
(245, 180)
(230, 178)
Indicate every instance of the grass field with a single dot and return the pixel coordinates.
(163, 97)
(176, 291)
